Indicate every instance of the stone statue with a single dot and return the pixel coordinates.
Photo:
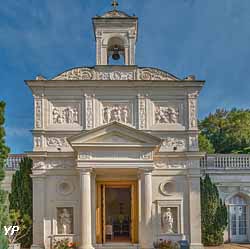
(65, 221)
(64, 115)
(167, 221)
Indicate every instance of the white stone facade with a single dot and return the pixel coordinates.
(121, 125)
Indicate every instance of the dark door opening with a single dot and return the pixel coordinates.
(117, 214)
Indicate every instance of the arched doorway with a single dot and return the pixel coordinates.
(238, 221)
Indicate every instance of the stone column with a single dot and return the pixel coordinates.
(38, 211)
(85, 199)
(146, 239)
(195, 212)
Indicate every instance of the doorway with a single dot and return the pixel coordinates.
(116, 213)
(238, 219)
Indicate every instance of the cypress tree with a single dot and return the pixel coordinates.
(21, 196)
(4, 151)
(213, 214)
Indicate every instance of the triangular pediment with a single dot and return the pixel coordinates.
(114, 134)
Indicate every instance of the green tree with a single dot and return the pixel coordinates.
(21, 196)
(205, 145)
(228, 131)
(4, 151)
(213, 214)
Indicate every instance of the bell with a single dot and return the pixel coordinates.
(116, 55)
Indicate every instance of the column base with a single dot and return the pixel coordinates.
(196, 246)
(36, 247)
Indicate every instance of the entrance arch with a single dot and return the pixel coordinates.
(238, 218)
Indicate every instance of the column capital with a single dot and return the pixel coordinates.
(85, 171)
(145, 170)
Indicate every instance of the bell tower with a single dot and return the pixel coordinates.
(116, 36)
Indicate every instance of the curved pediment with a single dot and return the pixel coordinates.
(116, 73)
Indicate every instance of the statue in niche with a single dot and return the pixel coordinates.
(167, 115)
(116, 113)
(167, 221)
(65, 221)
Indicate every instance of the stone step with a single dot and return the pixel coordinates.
(117, 246)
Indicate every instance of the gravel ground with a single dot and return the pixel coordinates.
(230, 246)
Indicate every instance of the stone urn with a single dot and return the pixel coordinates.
(14, 246)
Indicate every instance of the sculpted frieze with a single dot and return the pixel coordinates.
(120, 112)
(84, 73)
(53, 163)
(173, 144)
(166, 115)
(117, 75)
(171, 164)
(65, 115)
(57, 142)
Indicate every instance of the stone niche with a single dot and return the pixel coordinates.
(170, 218)
(65, 221)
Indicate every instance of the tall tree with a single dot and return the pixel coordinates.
(4, 151)
(228, 131)
(21, 196)
(205, 145)
(213, 214)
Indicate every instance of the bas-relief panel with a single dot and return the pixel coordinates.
(65, 113)
(121, 111)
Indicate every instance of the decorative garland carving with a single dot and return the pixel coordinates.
(84, 73)
(154, 74)
(173, 144)
(38, 112)
(57, 142)
(77, 74)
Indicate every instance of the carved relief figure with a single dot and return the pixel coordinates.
(119, 113)
(65, 115)
(167, 221)
(65, 221)
(166, 115)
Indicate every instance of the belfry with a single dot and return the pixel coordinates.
(115, 157)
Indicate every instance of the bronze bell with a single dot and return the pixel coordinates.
(116, 55)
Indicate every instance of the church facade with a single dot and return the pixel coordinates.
(116, 162)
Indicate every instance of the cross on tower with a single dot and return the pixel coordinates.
(115, 4)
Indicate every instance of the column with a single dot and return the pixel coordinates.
(195, 212)
(85, 199)
(38, 211)
(146, 238)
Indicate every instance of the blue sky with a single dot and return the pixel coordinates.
(208, 38)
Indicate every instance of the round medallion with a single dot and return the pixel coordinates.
(65, 187)
(167, 187)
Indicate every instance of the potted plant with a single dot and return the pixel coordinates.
(64, 244)
(166, 244)
(24, 225)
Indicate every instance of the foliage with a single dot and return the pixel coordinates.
(21, 196)
(228, 131)
(213, 214)
(4, 151)
(166, 244)
(64, 244)
(23, 222)
(205, 145)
